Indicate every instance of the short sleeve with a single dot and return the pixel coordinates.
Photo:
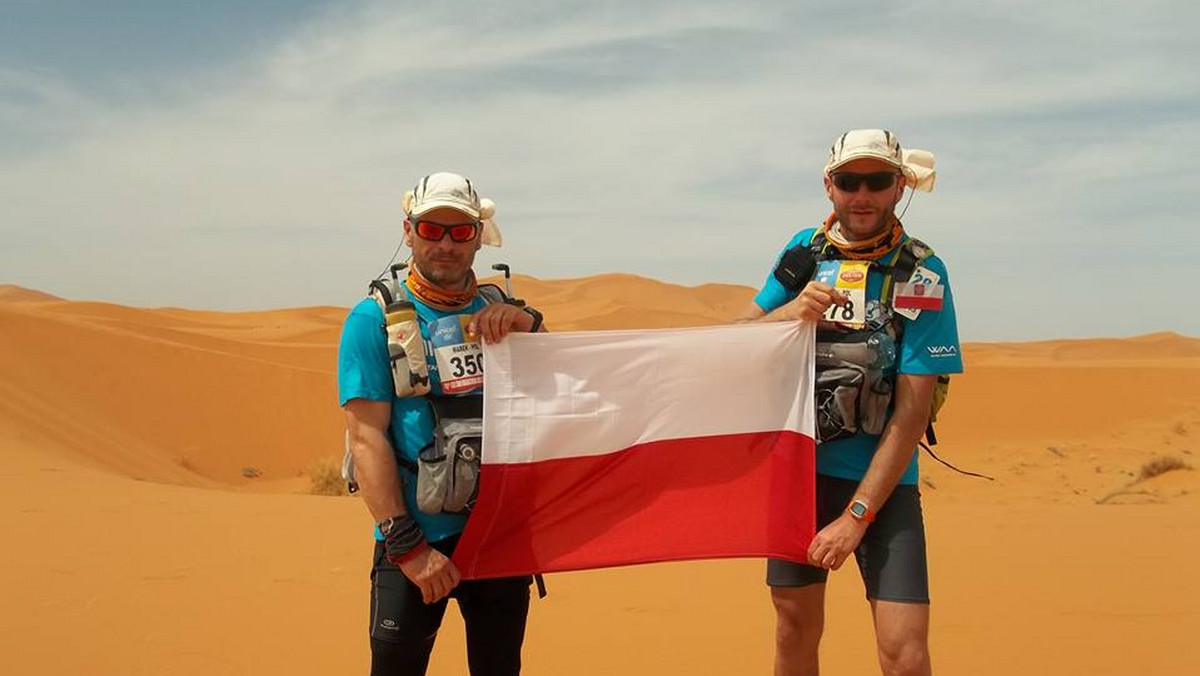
(363, 371)
(773, 295)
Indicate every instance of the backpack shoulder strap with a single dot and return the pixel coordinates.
(798, 264)
(492, 293)
(903, 263)
(912, 253)
(385, 291)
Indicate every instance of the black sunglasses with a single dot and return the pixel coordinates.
(880, 180)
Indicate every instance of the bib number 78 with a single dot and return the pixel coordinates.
(841, 313)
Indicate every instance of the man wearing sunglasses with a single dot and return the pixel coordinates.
(413, 577)
(886, 338)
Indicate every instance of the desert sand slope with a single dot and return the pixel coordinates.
(156, 396)
(137, 546)
(627, 301)
(10, 293)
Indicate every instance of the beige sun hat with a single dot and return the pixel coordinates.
(881, 144)
(446, 190)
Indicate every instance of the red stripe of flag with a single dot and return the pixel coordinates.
(918, 296)
(736, 495)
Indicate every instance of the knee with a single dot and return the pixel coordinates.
(904, 657)
(799, 619)
(389, 658)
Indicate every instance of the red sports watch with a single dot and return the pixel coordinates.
(860, 511)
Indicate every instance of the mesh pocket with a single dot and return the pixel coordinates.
(465, 441)
(873, 405)
(433, 478)
(837, 392)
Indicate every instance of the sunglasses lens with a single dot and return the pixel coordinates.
(462, 233)
(847, 182)
(880, 181)
(432, 231)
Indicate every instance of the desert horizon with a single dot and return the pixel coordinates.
(162, 519)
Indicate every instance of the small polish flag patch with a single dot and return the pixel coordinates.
(918, 296)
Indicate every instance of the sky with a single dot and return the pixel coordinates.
(237, 156)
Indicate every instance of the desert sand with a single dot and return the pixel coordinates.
(157, 518)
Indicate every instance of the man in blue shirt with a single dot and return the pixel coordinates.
(887, 332)
(412, 578)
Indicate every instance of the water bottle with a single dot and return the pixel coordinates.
(884, 348)
(406, 350)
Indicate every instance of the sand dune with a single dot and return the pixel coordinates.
(10, 293)
(627, 301)
(154, 456)
(1162, 347)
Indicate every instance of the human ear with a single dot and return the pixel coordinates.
(900, 184)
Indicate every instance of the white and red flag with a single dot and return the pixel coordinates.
(918, 296)
(622, 447)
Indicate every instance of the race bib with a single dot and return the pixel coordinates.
(850, 279)
(459, 361)
(923, 277)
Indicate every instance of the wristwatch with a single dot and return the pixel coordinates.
(537, 318)
(860, 511)
(385, 526)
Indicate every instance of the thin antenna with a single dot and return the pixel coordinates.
(392, 260)
(911, 193)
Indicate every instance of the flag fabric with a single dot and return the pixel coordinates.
(610, 448)
(917, 296)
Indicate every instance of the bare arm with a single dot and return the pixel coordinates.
(910, 416)
(379, 481)
(809, 305)
(374, 461)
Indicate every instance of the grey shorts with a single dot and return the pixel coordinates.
(891, 556)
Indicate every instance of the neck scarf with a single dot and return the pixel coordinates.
(866, 250)
(437, 297)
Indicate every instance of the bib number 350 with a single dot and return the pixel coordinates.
(466, 365)
(460, 367)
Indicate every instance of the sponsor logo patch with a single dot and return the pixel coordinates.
(937, 351)
(852, 276)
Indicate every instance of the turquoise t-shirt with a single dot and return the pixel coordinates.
(929, 346)
(364, 372)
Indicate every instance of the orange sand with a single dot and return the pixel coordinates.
(138, 546)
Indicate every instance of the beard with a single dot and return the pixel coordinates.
(854, 228)
(443, 273)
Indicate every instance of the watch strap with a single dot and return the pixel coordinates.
(860, 511)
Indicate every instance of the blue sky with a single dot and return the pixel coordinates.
(252, 155)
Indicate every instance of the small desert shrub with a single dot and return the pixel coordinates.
(1161, 465)
(325, 477)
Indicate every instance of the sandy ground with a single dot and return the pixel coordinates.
(155, 511)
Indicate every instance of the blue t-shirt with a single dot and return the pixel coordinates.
(364, 372)
(929, 346)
